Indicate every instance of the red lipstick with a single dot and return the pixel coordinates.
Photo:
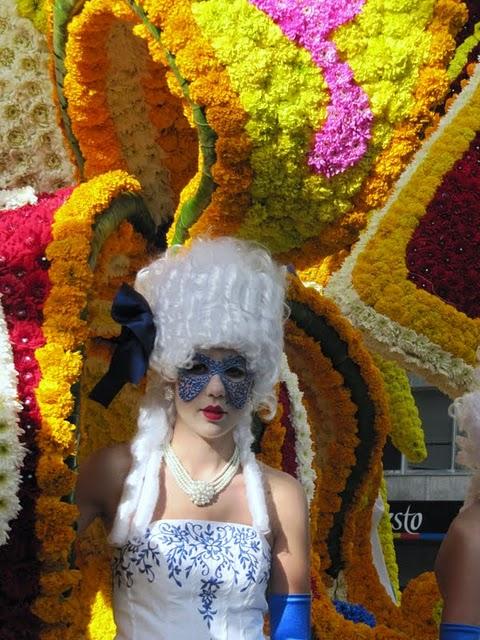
(213, 412)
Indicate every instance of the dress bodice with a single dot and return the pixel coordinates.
(188, 579)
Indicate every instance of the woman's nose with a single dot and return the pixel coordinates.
(215, 387)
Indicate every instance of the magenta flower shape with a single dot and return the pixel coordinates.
(343, 139)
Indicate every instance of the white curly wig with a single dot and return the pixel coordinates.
(466, 412)
(220, 292)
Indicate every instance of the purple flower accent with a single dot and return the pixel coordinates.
(343, 140)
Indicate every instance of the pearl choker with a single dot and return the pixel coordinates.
(201, 492)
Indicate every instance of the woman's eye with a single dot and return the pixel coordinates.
(236, 373)
(198, 369)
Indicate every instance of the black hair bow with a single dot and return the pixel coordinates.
(134, 345)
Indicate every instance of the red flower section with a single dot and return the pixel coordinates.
(24, 286)
(289, 458)
(443, 253)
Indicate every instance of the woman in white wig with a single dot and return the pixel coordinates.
(204, 534)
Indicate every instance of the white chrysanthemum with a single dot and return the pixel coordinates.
(15, 198)
(12, 451)
(303, 440)
(129, 111)
(32, 150)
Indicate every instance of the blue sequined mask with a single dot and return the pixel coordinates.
(233, 374)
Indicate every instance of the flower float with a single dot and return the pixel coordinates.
(349, 392)
(90, 210)
(121, 255)
(301, 128)
(400, 284)
(286, 123)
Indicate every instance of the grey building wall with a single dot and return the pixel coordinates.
(445, 486)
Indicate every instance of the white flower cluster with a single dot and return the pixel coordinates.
(129, 110)
(12, 451)
(303, 439)
(15, 198)
(32, 150)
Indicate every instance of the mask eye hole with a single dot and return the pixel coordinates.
(235, 373)
(197, 369)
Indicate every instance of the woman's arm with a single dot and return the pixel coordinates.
(457, 569)
(289, 599)
(100, 484)
(290, 571)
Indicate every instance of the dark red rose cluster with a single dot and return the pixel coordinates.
(443, 255)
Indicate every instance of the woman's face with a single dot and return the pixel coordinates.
(212, 396)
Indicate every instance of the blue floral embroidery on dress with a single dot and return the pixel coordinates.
(214, 552)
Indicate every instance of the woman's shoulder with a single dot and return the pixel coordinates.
(285, 490)
(100, 484)
(457, 567)
(460, 549)
(105, 470)
(278, 477)
(465, 528)
(116, 458)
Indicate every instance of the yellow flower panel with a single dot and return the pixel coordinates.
(60, 362)
(121, 256)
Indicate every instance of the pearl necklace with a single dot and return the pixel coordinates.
(201, 492)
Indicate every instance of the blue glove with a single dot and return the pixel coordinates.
(459, 632)
(290, 616)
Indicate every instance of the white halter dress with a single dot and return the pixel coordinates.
(191, 580)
